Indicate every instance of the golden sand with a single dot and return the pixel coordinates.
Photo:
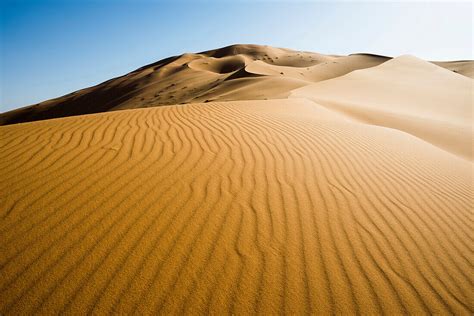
(236, 207)
(323, 202)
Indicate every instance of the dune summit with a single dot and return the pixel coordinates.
(244, 180)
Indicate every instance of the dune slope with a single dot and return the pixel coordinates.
(256, 71)
(231, 207)
(408, 94)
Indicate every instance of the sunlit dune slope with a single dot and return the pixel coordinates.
(232, 207)
(236, 72)
(408, 94)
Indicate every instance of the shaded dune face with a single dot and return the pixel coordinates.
(265, 207)
(222, 65)
(189, 77)
(343, 185)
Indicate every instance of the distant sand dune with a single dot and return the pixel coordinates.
(408, 94)
(259, 73)
(232, 207)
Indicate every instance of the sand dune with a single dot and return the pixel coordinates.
(408, 94)
(257, 71)
(236, 207)
(463, 67)
(348, 191)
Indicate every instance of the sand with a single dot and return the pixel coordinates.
(408, 94)
(320, 201)
(232, 73)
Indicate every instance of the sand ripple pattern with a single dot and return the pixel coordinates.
(234, 207)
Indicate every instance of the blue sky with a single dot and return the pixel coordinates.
(51, 48)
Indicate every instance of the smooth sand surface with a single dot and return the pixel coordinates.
(408, 94)
(351, 195)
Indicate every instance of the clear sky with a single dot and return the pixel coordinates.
(51, 48)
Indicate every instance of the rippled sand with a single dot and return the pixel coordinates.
(335, 199)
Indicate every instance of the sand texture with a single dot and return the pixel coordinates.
(349, 194)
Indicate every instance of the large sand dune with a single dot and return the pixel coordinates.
(236, 72)
(351, 194)
(406, 93)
